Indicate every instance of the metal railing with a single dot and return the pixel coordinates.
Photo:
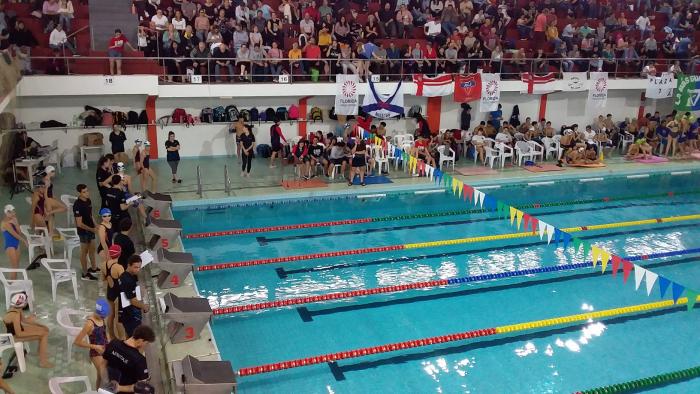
(209, 70)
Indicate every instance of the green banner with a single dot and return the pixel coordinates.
(687, 97)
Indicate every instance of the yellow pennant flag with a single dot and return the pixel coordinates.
(519, 215)
(454, 186)
(595, 254)
(512, 215)
(604, 257)
(460, 187)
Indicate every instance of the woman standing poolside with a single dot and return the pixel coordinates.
(12, 238)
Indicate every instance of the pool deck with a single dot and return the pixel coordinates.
(264, 184)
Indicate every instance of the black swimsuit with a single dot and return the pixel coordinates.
(113, 291)
(108, 237)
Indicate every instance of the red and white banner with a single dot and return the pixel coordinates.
(440, 85)
(467, 88)
(537, 84)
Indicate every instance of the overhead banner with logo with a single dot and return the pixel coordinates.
(687, 93)
(383, 105)
(490, 92)
(598, 90)
(575, 82)
(467, 88)
(347, 97)
(660, 87)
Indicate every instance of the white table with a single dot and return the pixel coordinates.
(84, 150)
(31, 166)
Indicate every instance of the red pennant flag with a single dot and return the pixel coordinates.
(469, 192)
(526, 220)
(535, 224)
(626, 269)
(616, 260)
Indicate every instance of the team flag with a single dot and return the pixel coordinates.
(467, 88)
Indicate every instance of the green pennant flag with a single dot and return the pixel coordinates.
(499, 209)
(692, 297)
(577, 244)
(686, 97)
(586, 248)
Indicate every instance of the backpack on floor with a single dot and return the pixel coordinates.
(264, 150)
(219, 114)
(293, 112)
(282, 113)
(316, 114)
(231, 113)
(254, 115)
(179, 116)
(270, 115)
(245, 114)
(207, 115)
(132, 118)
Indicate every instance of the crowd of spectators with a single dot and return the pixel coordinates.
(250, 38)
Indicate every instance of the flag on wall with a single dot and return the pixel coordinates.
(537, 84)
(347, 96)
(575, 82)
(598, 91)
(441, 85)
(687, 93)
(490, 92)
(467, 88)
(659, 87)
(383, 105)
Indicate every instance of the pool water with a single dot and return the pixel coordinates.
(551, 359)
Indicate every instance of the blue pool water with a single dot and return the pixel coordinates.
(554, 359)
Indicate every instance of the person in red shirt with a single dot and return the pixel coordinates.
(313, 53)
(116, 50)
(313, 12)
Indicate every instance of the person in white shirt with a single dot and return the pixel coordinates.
(242, 13)
(504, 137)
(432, 29)
(160, 21)
(178, 22)
(589, 134)
(58, 40)
(643, 24)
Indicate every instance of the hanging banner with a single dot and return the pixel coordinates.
(575, 82)
(347, 96)
(687, 93)
(598, 92)
(467, 88)
(490, 92)
(441, 85)
(537, 84)
(659, 87)
(383, 105)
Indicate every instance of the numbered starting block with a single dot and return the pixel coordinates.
(174, 267)
(168, 230)
(157, 201)
(186, 316)
(203, 377)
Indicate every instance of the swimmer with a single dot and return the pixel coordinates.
(94, 330)
(13, 237)
(26, 329)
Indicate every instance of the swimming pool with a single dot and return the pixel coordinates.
(560, 358)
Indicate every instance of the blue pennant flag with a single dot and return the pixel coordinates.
(557, 237)
(567, 239)
(663, 285)
(677, 291)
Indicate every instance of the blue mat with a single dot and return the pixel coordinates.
(372, 180)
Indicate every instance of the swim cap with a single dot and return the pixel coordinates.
(146, 143)
(137, 142)
(18, 300)
(9, 208)
(120, 166)
(101, 307)
(49, 169)
(115, 251)
(105, 211)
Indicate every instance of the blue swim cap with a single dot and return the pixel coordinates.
(105, 211)
(102, 307)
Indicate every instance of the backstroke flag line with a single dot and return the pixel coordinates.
(347, 97)
(687, 93)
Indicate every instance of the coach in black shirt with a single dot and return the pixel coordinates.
(85, 225)
(125, 362)
(122, 239)
(116, 200)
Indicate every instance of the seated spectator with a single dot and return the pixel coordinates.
(258, 63)
(125, 361)
(288, 10)
(274, 55)
(387, 24)
(25, 40)
(243, 66)
(240, 37)
(404, 22)
(26, 329)
(50, 14)
(201, 25)
(189, 10)
(199, 59)
(295, 63)
(371, 29)
(313, 53)
(273, 30)
(341, 31)
(170, 35)
(433, 31)
(214, 36)
(58, 40)
(650, 47)
(307, 29)
(65, 14)
(159, 21)
(222, 56)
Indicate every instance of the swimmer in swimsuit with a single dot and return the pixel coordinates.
(12, 237)
(146, 170)
(53, 206)
(111, 270)
(39, 209)
(94, 329)
(105, 233)
(26, 329)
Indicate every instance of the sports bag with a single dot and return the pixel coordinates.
(231, 113)
(282, 113)
(293, 112)
(207, 115)
(219, 114)
(316, 114)
(132, 118)
(179, 116)
(245, 114)
(254, 115)
(270, 115)
(264, 150)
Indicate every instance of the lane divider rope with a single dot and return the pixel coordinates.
(433, 283)
(511, 328)
(458, 241)
(345, 222)
(647, 383)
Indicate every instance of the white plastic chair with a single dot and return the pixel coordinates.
(41, 240)
(466, 139)
(505, 152)
(7, 341)
(64, 321)
(537, 149)
(68, 200)
(626, 140)
(549, 147)
(55, 384)
(60, 272)
(14, 286)
(491, 155)
(560, 150)
(380, 159)
(523, 150)
(445, 158)
(391, 155)
(71, 240)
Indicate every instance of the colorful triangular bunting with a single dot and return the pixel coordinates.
(663, 285)
(676, 291)
(650, 280)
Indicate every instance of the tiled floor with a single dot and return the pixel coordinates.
(263, 182)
